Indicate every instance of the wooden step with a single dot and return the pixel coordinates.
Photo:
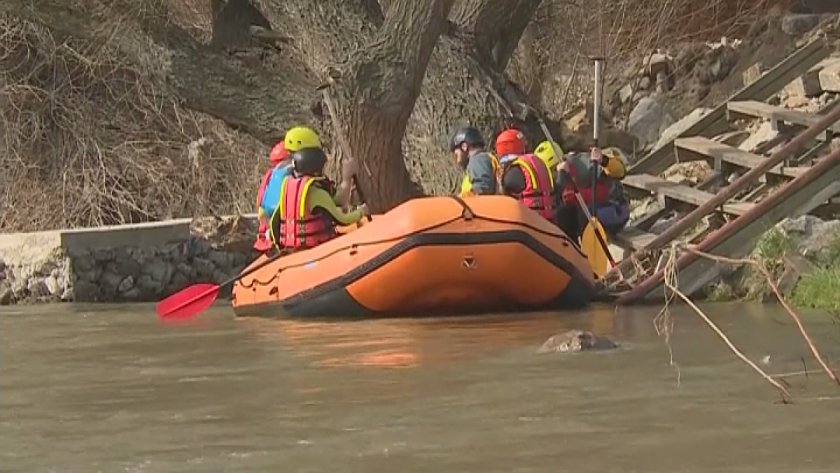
(689, 149)
(756, 109)
(765, 87)
(680, 192)
(632, 237)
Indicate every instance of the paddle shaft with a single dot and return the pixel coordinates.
(596, 125)
(361, 195)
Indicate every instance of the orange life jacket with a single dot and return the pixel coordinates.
(299, 228)
(539, 186)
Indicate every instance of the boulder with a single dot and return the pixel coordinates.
(573, 341)
(678, 127)
(814, 237)
(649, 119)
(799, 24)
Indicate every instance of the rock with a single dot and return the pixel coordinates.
(649, 119)
(219, 276)
(813, 236)
(677, 128)
(661, 225)
(110, 281)
(221, 259)
(625, 93)
(126, 284)
(806, 85)
(178, 282)
(762, 135)
(37, 288)
(752, 74)
(830, 77)
(644, 83)
(799, 24)
(91, 276)
(132, 294)
(102, 255)
(6, 294)
(689, 173)
(795, 267)
(186, 270)
(84, 291)
(157, 269)
(82, 263)
(574, 341)
(127, 265)
(20, 286)
(2, 266)
(835, 144)
(149, 285)
(203, 267)
(53, 288)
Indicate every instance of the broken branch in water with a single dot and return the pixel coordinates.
(760, 266)
(671, 283)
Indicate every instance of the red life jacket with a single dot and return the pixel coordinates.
(262, 242)
(299, 228)
(539, 186)
(602, 187)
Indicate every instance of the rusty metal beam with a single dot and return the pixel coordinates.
(795, 146)
(824, 173)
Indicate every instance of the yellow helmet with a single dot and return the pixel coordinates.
(301, 137)
(546, 152)
(615, 153)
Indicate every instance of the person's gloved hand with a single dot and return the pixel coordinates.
(596, 155)
(364, 209)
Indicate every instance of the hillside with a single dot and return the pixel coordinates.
(121, 111)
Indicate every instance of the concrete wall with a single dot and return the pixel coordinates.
(138, 263)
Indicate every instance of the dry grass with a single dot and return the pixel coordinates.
(86, 139)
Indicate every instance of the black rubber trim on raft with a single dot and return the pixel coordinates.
(331, 300)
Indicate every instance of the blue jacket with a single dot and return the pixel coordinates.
(271, 198)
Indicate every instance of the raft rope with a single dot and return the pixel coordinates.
(466, 214)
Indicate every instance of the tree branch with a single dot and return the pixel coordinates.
(496, 26)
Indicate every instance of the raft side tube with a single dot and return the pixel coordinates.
(372, 288)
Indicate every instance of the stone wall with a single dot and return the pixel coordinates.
(127, 263)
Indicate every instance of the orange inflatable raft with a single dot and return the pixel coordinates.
(428, 256)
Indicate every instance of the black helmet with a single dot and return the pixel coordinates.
(309, 161)
(469, 135)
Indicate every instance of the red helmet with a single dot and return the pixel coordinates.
(511, 141)
(278, 153)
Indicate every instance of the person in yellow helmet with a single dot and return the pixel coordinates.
(306, 215)
(612, 207)
(296, 139)
(545, 151)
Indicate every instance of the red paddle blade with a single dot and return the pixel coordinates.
(188, 302)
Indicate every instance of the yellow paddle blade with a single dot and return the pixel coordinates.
(595, 253)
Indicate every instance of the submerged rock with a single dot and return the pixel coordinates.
(574, 341)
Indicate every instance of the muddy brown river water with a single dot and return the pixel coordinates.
(108, 388)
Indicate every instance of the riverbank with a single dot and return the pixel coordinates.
(149, 261)
(123, 263)
(802, 255)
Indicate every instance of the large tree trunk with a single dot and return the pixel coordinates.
(377, 91)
